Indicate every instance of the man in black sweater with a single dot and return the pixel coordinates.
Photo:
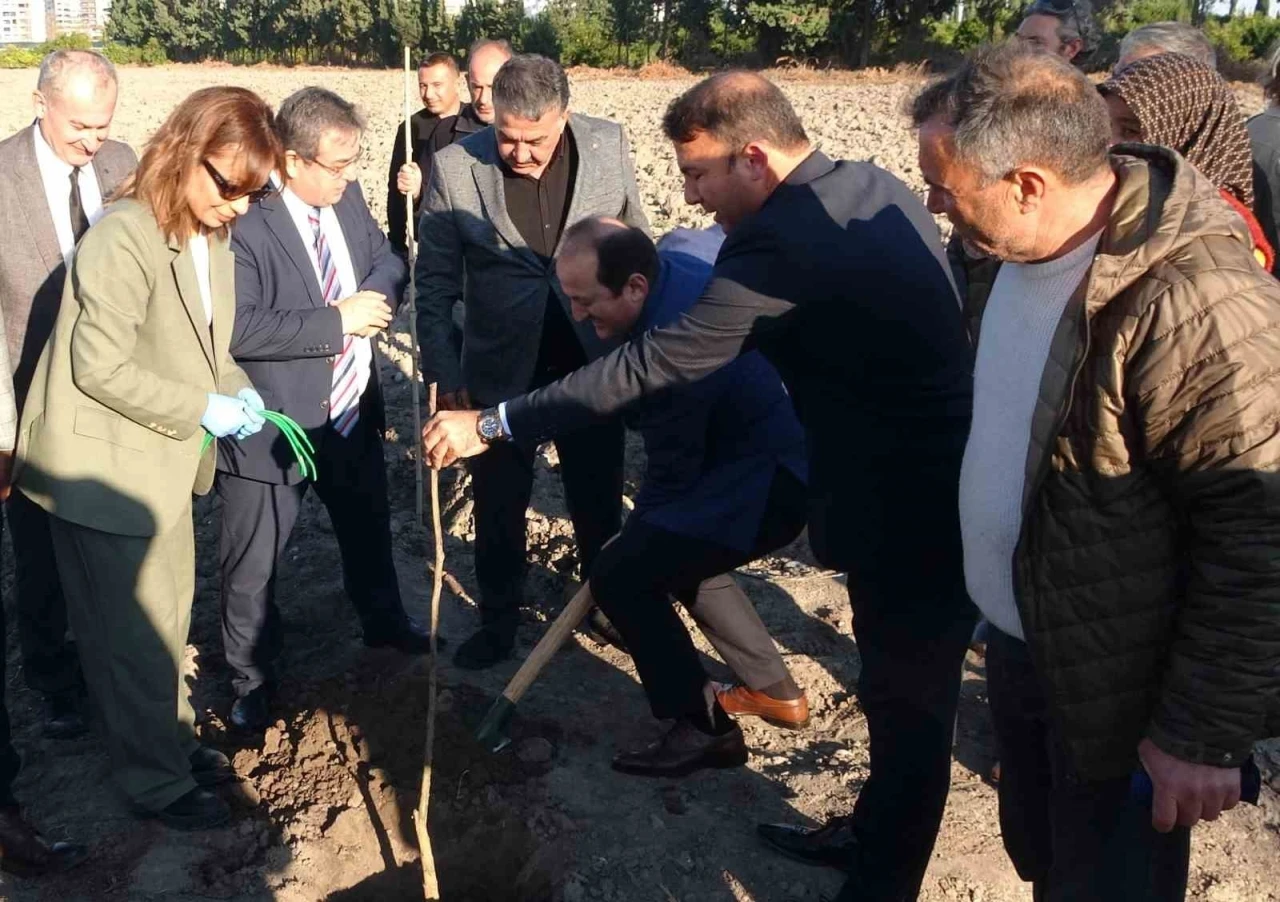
(443, 120)
(835, 272)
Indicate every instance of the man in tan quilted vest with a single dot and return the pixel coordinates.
(1119, 496)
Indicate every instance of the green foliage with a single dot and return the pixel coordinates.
(150, 54)
(960, 36)
(697, 33)
(1243, 38)
(791, 28)
(489, 19)
(583, 31)
(540, 36)
(435, 28)
(395, 26)
(20, 57)
(73, 41)
(1126, 15)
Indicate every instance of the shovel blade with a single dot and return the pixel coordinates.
(492, 733)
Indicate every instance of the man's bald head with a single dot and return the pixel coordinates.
(586, 234)
(63, 69)
(735, 108)
(75, 101)
(607, 269)
(484, 59)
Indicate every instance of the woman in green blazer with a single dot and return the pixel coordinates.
(136, 373)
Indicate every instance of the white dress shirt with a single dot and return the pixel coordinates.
(56, 176)
(301, 211)
(200, 257)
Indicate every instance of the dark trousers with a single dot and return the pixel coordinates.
(638, 572)
(911, 643)
(502, 485)
(9, 761)
(257, 519)
(49, 658)
(1075, 841)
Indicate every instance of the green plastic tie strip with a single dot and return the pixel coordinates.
(303, 450)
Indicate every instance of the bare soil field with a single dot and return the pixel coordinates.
(324, 809)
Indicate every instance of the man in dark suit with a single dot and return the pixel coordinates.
(835, 272)
(724, 483)
(495, 209)
(22, 849)
(443, 120)
(55, 179)
(313, 277)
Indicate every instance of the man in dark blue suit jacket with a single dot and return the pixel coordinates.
(835, 272)
(724, 483)
(315, 278)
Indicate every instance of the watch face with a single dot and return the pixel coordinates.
(489, 426)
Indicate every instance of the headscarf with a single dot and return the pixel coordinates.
(1183, 104)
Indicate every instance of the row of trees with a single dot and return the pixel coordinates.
(694, 33)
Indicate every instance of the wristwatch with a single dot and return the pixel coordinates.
(489, 427)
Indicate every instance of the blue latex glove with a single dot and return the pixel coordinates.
(254, 407)
(226, 416)
(251, 397)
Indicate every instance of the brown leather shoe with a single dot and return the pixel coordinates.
(25, 853)
(683, 750)
(740, 700)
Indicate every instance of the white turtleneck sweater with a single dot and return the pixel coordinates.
(1022, 313)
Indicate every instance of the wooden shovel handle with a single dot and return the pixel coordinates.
(550, 643)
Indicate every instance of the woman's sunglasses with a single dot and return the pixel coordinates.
(229, 191)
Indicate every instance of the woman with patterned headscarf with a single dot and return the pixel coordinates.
(1180, 103)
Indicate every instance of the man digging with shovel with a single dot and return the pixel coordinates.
(724, 484)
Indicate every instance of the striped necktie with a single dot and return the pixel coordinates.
(344, 393)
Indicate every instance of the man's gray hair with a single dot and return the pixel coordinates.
(1075, 21)
(305, 116)
(1011, 106)
(60, 65)
(1170, 37)
(528, 86)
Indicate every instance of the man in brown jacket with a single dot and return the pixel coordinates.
(1119, 496)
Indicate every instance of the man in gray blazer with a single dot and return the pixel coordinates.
(496, 205)
(56, 176)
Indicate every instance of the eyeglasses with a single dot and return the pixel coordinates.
(228, 191)
(339, 171)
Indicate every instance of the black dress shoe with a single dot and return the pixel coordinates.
(199, 809)
(209, 767)
(25, 853)
(64, 718)
(251, 713)
(486, 648)
(683, 750)
(832, 845)
(602, 629)
(410, 637)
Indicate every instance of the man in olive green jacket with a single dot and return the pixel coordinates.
(1120, 492)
